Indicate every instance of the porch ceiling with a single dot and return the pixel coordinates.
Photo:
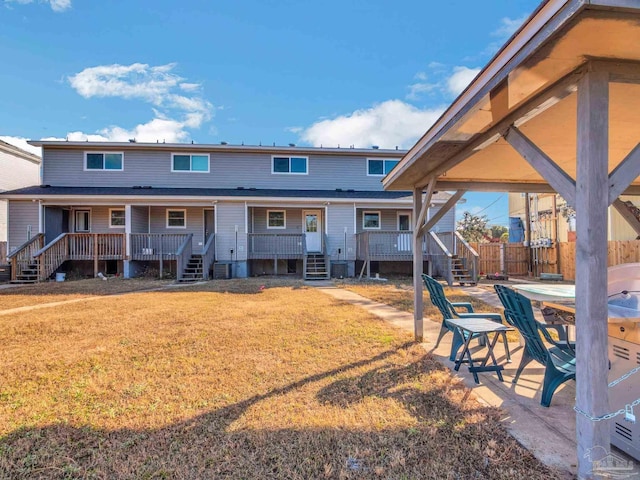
(531, 83)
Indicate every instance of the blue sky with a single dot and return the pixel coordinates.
(361, 73)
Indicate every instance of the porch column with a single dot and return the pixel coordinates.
(592, 396)
(127, 241)
(418, 322)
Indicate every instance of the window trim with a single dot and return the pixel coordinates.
(183, 210)
(383, 160)
(377, 212)
(284, 213)
(111, 218)
(173, 154)
(75, 213)
(103, 153)
(273, 157)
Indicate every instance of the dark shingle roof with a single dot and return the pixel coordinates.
(37, 191)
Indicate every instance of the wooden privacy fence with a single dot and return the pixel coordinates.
(3, 253)
(513, 258)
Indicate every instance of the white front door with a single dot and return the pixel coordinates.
(311, 227)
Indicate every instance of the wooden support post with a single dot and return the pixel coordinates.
(627, 215)
(95, 254)
(161, 255)
(591, 204)
(418, 326)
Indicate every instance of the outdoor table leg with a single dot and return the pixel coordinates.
(491, 345)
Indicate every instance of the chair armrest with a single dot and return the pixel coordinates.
(561, 344)
(465, 305)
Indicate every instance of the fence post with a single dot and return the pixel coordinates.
(502, 262)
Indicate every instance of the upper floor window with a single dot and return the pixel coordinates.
(184, 162)
(292, 165)
(103, 161)
(380, 167)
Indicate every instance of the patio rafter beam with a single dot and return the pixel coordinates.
(528, 110)
(542, 163)
(442, 211)
(625, 173)
(425, 207)
(631, 219)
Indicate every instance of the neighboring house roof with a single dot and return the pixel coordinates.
(18, 152)
(241, 193)
(223, 147)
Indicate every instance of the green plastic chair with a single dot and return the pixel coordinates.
(559, 360)
(449, 310)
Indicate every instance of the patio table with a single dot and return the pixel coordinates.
(470, 327)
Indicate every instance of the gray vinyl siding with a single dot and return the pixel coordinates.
(341, 217)
(24, 173)
(227, 170)
(23, 216)
(139, 219)
(293, 220)
(100, 219)
(228, 215)
(194, 218)
(389, 219)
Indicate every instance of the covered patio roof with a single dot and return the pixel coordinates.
(557, 109)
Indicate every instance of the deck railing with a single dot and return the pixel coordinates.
(183, 254)
(52, 255)
(91, 246)
(276, 245)
(439, 257)
(460, 247)
(394, 245)
(156, 246)
(22, 256)
(208, 255)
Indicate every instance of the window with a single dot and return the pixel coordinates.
(176, 219)
(184, 162)
(380, 167)
(291, 165)
(276, 219)
(116, 218)
(103, 161)
(371, 220)
(404, 222)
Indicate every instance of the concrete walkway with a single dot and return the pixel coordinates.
(549, 433)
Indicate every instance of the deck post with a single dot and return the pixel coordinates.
(591, 266)
(161, 255)
(418, 322)
(95, 255)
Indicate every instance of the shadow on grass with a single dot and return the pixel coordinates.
(447, 437)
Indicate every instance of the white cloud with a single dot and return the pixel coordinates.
(294, 129)
(56, 5)
(460, 78)
(21, 142)
(388, 124)
(174, 113)
(417, 90)
(508, 26)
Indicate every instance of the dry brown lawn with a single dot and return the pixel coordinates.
(232, 380)
(49, 292)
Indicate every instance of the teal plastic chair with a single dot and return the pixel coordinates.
(559, 359)
(449, 310)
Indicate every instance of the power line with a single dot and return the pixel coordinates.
(492, 203)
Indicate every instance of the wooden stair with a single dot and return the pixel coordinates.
(459, 273)
(317, 267)
(194, 271)
(29, 274)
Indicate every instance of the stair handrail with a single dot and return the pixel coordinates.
(51, 256)
(304, 255)
(469, 253)
(208, 256)
(183, 252)
(440, 244)
(24, 254)
(327, 256)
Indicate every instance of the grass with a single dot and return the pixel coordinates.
(49, 292)
(236, 379)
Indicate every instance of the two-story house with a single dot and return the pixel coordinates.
(20, 169)
(194, 209)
